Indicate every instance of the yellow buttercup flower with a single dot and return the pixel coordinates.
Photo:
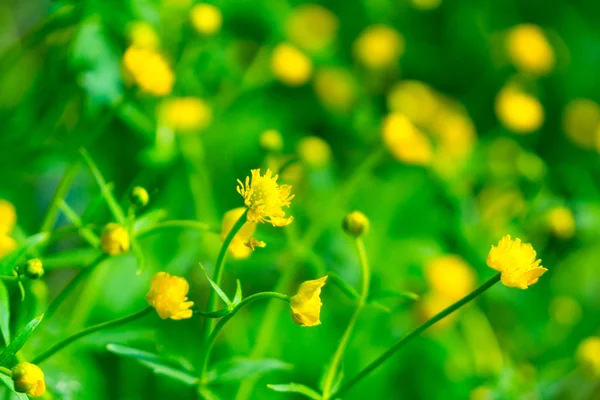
(581, 122)
(306, 304)
(529, 50)
(519, 111)
(314, 151)
(265, 198)
(149, 70)
(29, 379)
(335, 88)
(406, 143)
(237, 248)
(206, 19)
(8, 217)
(290, 65)
(143, 35)
(168, 296)
(379, 47)
(312, 27)
(450, 276)
(115, 239)
(186, 114)
(516, 261)
(588, 355)
(561, 222)
(7, 244)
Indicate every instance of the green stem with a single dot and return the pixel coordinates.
(364, 294)
(400, 343)
(215, 332)
(175, 224)
(5, 371)
(88, 331)
(59, 195)
(9, 278)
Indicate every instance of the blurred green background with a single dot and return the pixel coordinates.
(448, 123)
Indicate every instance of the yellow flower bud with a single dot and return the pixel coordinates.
(7, 244)
(271, 140)
(186, 114)
(519, 111)
(34, 268)
(238, 248)
(379, 47)
(588, 355)
(529, 50)
(306, 304)
(561, 222)
(516, 261)
(290, 65)
(8, 217)
(115, 239)
(168, 296)
(355, 224)
(29, 379)
(406, 143)
(314, 151)
(206, 19)
(139, 196)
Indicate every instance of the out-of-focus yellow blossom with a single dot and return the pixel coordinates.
(335, 88)
(186, 114)
(450, 276)
(561, 222)
(356, 224)
(253, 242)
(406, 143)
(7, 244)
(519, 111)
(34, 268)
(139, 196)
(168, 296)
(290, 65)
(143, 35)
(271, 140)
(498, 206)
(115, 239)
(265, 198)
(565, 310)
(312, 27)
(430, 305)
(529, 50)
(379, 47)
(29, 379)
(306, 304)
(237, 248)
(314, 151)
(482, 393)
(456, 137)
(581, 122)
(8, 217)
(149, 70)
(588, 355)
(419, 102)
(516, 261)
(206, 19)
(426, 4)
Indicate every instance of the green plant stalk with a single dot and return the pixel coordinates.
(406, 339)
(219, 326)
(59, 195)
(5, 371)
(364, 294)
(88, 331)
(9, 278)
(174, 224)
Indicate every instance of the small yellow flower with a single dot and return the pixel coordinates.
(290, 65)
(8, 217)
(7, 244)
(149, 70)
(519, 111)
(314, 151)
(115, 239)
(415, 99)
(168, 296)
(516, 261)
(406, 143)
(143, 35)
(306, 304)
(581, 121)
(561, 222)
(529, 50)
(271, 140)
(335, 88)
(206, 19)
(29, 379)
(356, 224)
(450, 276)
(312, 27)
(186, 114)
(139, 196)
(588, 355)
(237, 248)
(253, 242)
(379, 47)
(265, 198)
(34, 268)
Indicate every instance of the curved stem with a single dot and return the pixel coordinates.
(59, 195)
(174, 224)
(87, 331)
(5, 371)
(9, 278)
(396, 346)
(339, 353)
(215, 332)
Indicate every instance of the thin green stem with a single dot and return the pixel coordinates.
(219, 326)
(88, 331)
(9, 278)
(5, 371)
(174, 224)
(59, 195)
(406, 339)
(339, 353)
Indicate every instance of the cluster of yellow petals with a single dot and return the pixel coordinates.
(243, 243)
(149, 70)
(306, 304)
(29, 379)
(168, 296)
(115, 239)
(265, 198)
(516, 261)
(529, 50)
(8, 220)
(186, 114)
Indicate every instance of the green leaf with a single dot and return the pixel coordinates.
(7, 381)
(217, 289)
(238, 369)
(4, 313)
(207, 394)
(75, 258)
(14, 346)
(238, 293)
(296, 388)
(157, 364)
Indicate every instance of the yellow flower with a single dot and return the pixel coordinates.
(312, 27)
(306, 304)
(115, 239)
(252, 243)
(450, 276)
(265, 198)
(418, 101)
(335, 88)
(206, 18)
(529, 50)
(378, 47)
(314, 151)
(8, 217)
(7, 244)
(139, 196)
(149, 70)
(581, 121)
(271, 140)
(34, 268)
(290, 65)
(405, 141)
(516, 261)
(143, 35)
(519, 111)
(29, 379)
(588, 355)
(168, 296)
(356, 224)
(237, 248)
(186, 114)
(562, 222)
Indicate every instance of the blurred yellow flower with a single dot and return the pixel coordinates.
(265, 198)
(588, 355)
(565, 310)
(143, 35)
(306, 304)
(290, 65)
(430, 305)
(237, 248)
(139, 196)
(426, 4)
(335, 88)
(519, 111)
(456, 138)
(271, 140)
(529, 50)
(314, 151)
(561, 222)
(206, 19)
(186, 114)
(581, 122)
(516, 261)
(253, 242)
(312, 27)
(406, 143)
(33, 268)
(450, 276)
(29, 379)
(115, 239)
(149, 70)
(416, 100)
(8, 217)
(379, 47)
(168, 296)
(7, 244)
